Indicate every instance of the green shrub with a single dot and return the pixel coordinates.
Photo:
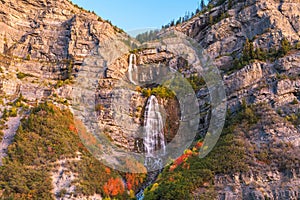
(46, 135)
(294, 102)
(297, 46)
(62, 193)
(20, 182)
(294, 119)
(13, 112)
(61, 83)
(281, 77)
(227, 157)
(21, 75)
(196, 82)
(220, 2)
(27, 57)
(249, 54)
(284, 48)
(5, 114)
(160, 91)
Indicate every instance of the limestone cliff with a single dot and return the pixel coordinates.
(43, 45)
(48, 40)
(273, 83)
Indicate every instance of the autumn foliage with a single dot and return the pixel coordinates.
(107, 170)
(133, 180)
(72, 128)
(187, 153)
(114, 187)
(199, 144)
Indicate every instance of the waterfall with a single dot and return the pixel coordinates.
(132, 67)
(154, 139)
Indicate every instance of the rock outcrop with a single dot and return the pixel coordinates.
(45, 45)
(222, 32)
(48, 40)
(224, 29)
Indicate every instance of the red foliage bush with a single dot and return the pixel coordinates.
(199, 145)
(114, 187)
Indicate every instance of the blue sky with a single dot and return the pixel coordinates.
(139, 14)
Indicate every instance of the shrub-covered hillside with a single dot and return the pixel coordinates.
(47, 141)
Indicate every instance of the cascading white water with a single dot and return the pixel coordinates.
(154, 135)
(132, 68)
(154, 140)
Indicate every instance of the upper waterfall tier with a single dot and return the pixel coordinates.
(132, 68)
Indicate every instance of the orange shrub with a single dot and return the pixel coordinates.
(199, 145)
(114, 187)
(72, 128)
(133, 180)
(107, 170)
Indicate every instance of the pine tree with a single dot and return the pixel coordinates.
(251, 52)
(260, 54)
(172, 23)
(246, 51)
(179, 21)
(285, 47)
(202, 5)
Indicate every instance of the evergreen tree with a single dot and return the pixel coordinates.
(172, 23)
(202, 5)
(260, 54)
(285, 47)
(179, 21)
(251, 52)
(246, 51)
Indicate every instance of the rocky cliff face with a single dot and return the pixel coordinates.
(121, 112)
(224, 29)
(48, 40)
(43, 45)
(222, 32)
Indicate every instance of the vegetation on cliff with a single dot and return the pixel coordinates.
(46, 136)
(189, 173)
